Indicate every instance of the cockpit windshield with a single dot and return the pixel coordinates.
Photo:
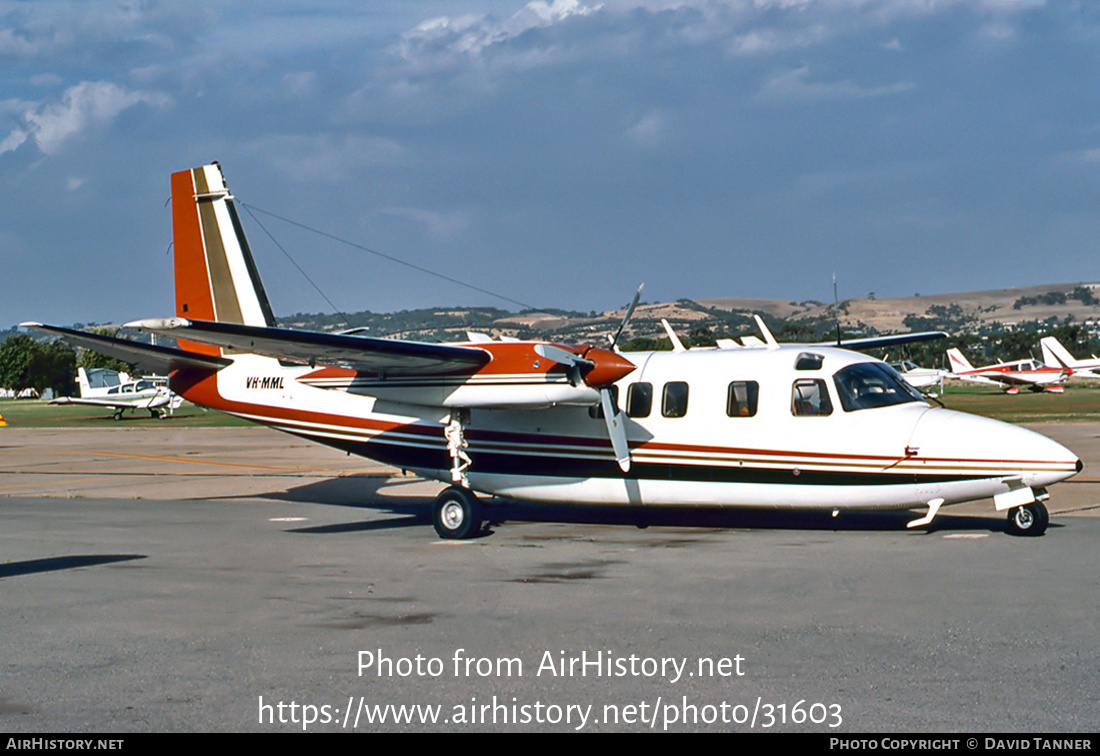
(867, 385)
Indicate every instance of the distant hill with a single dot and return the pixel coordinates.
(975, 320)
(1076, 302)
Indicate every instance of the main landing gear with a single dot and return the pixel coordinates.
(457, 513)
(1029, 520)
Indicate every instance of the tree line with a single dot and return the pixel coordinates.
(26, 362)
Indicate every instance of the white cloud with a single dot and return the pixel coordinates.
(795, 86)
(87, 105)
(469, 35)
(13, 140)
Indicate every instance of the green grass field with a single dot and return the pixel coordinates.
(1080, 402)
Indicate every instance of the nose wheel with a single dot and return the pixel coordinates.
(457, 513)
(1029, 520)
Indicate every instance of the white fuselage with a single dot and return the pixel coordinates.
(702, 451)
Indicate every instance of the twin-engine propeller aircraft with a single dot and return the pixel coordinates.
(750, 424)
(119, 392)
(1012, 376)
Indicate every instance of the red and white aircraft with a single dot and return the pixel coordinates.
(1058, 357)
(755, 424)
(1010, 375)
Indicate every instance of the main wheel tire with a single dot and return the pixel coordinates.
(457, 513)
(1029, 520)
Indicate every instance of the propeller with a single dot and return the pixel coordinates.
(599, 368)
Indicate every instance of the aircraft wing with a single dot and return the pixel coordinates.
(148, 402)
(1027, 378)
(150, 358)
(877, 342)
(1017, 378)
(391, 357)
(973, 378)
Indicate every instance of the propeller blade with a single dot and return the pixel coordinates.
(616, 430)
(626, 318)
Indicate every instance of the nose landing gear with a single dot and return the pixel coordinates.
(1028, 520)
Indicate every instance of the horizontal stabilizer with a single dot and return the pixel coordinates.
(149, 358)
(390, 357)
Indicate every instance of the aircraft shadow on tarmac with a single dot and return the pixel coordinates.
(378, 493)
(54, 564)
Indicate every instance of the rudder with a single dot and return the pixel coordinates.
(216, 277)
(959, 364)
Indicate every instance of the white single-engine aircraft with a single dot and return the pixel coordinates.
(920, 377)
(125, 393)
(757, 424)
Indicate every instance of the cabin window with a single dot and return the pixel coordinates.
(741, 399)
(639, 400)
(674, 402)
(810, 397)
(596, 410)
(808, 361)
(867, 385)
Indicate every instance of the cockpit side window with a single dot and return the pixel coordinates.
(639, 399)
(810, 397)
(867, 385)
(674, 402)
(742, 398)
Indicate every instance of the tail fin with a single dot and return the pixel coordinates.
(216, 277)
(82, 379)
(1055, 355)
(959, 364)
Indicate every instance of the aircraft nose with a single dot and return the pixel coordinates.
(982, 447)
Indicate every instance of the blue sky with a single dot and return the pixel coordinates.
(558, 153)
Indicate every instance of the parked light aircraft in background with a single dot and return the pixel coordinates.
(755, 424)
(920, 377)
(120, 392)
(1010, 375)
(1058, 357)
